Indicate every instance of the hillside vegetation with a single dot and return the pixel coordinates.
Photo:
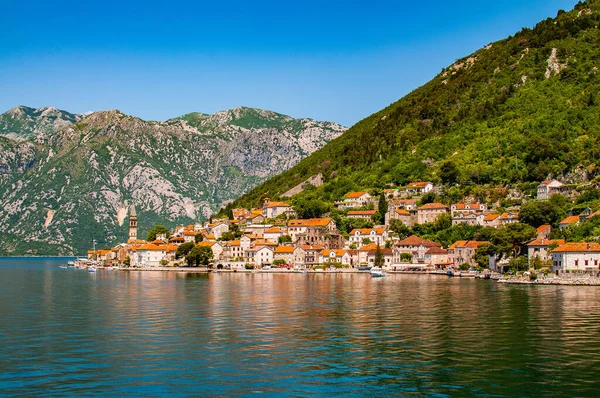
(514, 113)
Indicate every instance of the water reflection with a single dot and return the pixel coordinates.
(157, 333)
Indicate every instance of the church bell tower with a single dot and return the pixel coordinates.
(132, 225)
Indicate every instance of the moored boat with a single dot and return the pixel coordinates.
(377, 273)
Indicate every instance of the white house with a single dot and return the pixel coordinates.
(285, 253)
(354, 199)
(149, 255)
(375, 235)
(549, 188)
(540, 248)
(217, 229)
(259, 256)
(583, 257)
(275, 209)
(420, 187)
(273, 233)
(468, 207)
(335, 256)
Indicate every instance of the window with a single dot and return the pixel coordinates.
(576, 263)
(586, 262)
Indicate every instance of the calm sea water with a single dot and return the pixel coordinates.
(70, 332)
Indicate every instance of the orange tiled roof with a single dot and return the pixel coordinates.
(284, 249)
(370, 246)
(206, 244)
(545, 242)
(264, 242)
(504, 216)
(273, 230)
(402, 212)
(233, 243)
(414, 240)
(312, 222)
(463, 206)
(277, 204)
(581, 247)
(404, 201)
(542, 228)
(491, 217)
(418, 184)
(362, 231)
(354, 195)
(361, 212)
(338, 253)
(475, 244)
(318, 247)
(437, 250)
(433, 206)
(151, 247)
(457, 243)
(570, 220)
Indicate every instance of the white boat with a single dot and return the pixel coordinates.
(92, 268)
(377, 273)
(70, 263)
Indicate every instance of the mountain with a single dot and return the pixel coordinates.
(514, 113)
(77, 176)
(22, 122)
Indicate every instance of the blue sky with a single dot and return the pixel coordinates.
(327, 60)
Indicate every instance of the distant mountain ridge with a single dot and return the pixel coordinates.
(66, 177)
(23, 122)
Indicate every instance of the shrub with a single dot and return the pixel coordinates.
(249, 266)
(533, 276)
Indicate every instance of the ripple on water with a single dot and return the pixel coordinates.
(152, 333)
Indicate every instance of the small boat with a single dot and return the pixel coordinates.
(62, 266)
(377, 273)
(70, 263)
(92, 269)
(364, 268)
(450, 272)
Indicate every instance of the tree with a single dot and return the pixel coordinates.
(310, 207)
(429, 197)
(399, 228)
(378, 257)
(449, 172)
(199, 255)
(366, 241)
(284, 239)
(198, 238)
(184, 249)
(158, 230)
(382, 209)
(127, 261)
(537, 212)
(509, 240)
(406, 257)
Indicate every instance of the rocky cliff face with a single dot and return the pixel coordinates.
(75, 178)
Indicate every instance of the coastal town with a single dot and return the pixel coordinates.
(274, 237)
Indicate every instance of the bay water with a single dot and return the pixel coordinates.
(69, 332)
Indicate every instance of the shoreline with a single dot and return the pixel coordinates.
(584, 281)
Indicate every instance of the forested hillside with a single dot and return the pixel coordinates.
(514, 113)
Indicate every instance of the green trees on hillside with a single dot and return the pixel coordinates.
(492, 119)
(158, 230)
